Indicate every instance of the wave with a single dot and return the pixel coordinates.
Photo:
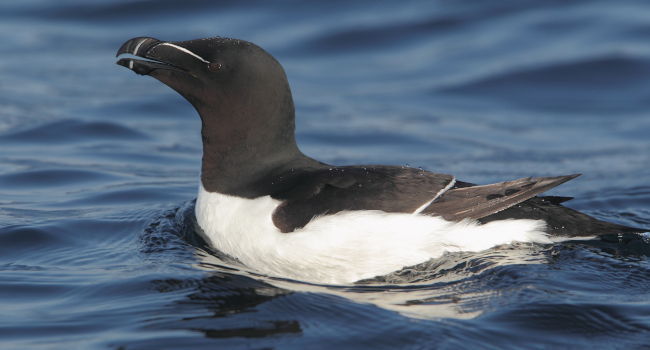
(72, 130)
(592, 83)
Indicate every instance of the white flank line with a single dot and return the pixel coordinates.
(186, 51)
(425, 205)
(131, 64)
(137, 47)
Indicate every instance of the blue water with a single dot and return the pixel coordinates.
(99, 169)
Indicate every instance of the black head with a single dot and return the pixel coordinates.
(211, 72)
(241, 93)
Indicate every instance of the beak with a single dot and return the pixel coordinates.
(158, 55)
(140, 46)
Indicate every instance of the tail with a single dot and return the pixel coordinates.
(563, 221)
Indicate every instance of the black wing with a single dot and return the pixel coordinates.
(328, 191)
(396, 189)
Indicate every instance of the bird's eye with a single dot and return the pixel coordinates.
(214, 66)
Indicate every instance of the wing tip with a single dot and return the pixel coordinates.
(563, 178)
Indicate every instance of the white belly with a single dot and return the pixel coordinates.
(347, 246)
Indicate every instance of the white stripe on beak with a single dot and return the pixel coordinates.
(186, 51)
(137, 47)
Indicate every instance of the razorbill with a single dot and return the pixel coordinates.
(262, 201)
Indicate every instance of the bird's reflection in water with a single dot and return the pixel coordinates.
(224, 305)
(448, 287)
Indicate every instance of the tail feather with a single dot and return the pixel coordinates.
(563, 221)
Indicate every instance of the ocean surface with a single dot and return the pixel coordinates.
(99, 169)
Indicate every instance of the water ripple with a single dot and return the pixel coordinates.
(61, 131)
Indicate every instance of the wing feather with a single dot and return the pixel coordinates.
(475, 202)
(329, 191)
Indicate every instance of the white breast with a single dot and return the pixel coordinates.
(347, 246)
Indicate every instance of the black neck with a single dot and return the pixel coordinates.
(244, 160)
